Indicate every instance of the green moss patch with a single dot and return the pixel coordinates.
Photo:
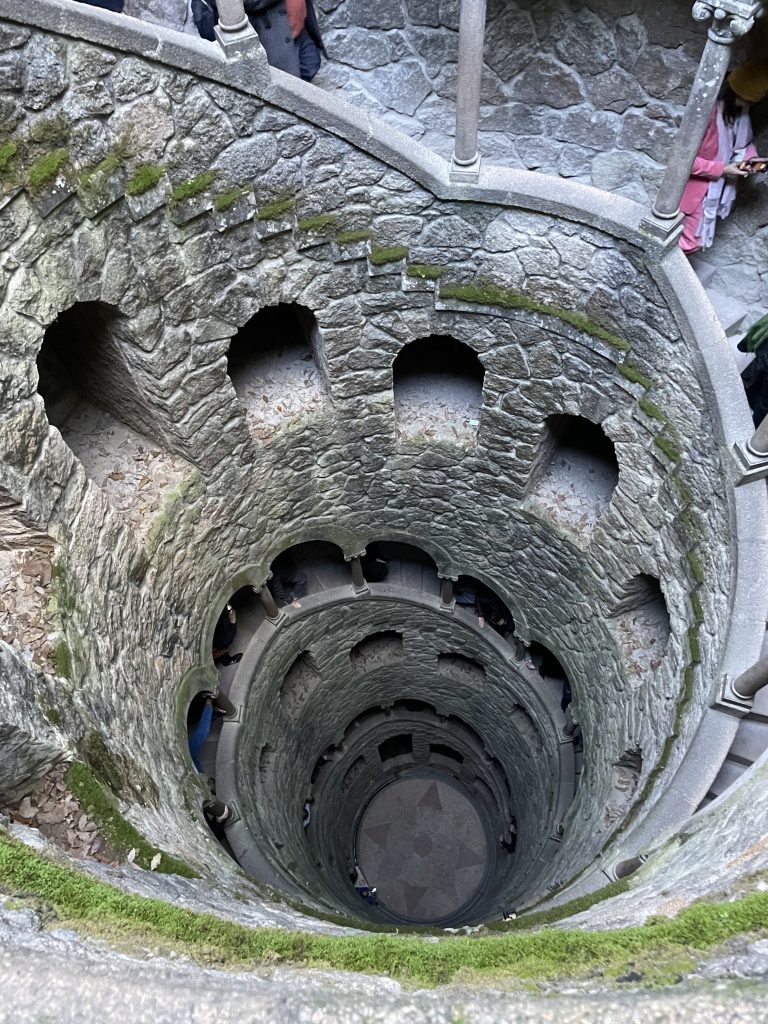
(540, 918)
(80, 899)
(353, 235)
(685, 492)
(43, 170)
(53, 716)
(490, 294)
(693, 644)
(424, 271)
(669, 448)
(61, 656)
(631, 373)
(100, 171)
(8, 151)
(193, 187)
(651, 409)
(226, 200)
(697, 570)
(380, 255)
(119, 833)
(145, 177)
(277, 208)
(318, 222)
(698, 611)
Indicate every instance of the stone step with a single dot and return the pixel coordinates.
(730, 772)
(731, 312)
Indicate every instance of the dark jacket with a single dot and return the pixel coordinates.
(106, 5)
(299, 57)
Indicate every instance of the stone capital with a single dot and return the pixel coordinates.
(731, 18)
(356, 554)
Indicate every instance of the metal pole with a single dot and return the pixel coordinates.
(466, 160)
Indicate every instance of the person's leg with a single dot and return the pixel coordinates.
(275, 36)
(688, 241)
(298, 584)
(200, 733)
(309, 55)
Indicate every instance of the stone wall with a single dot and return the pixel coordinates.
(590, 91)
(600, 333)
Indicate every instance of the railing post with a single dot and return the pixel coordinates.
(447, 599)
(465, 165)
(270, 605)
(359, 582)
(234, 32)
(731, 19)
(754, 679)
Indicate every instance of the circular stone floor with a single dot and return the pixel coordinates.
(422, 844)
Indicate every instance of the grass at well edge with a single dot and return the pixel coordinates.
(550, 952)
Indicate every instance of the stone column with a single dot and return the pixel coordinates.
(465, 165)
(752, 455)
(270, 605)
(222, 703)
(754, 679)
(359, 582)
(731, 19)
(446, 592)
(233, 30)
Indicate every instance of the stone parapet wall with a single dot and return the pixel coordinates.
(603, 334)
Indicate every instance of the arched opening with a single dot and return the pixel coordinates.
(461, 669)
(94, 396)
(575, 473)
(406, 565)
(235, 625)
(396, 746)
(299, 682)
(277, 367)
(544, 662)
(642, 619)
(307, 568)
(438, 391)
(377, 650)
(491, 611)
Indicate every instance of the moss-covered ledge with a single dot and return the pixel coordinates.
(98, 908)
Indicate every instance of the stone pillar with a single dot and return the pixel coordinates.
(222, 703)
(234, 32)
(359, 582)
(731, 19)
(754, 679)
(752, 455)
(465, 165)
(270, 605)
(447, 600)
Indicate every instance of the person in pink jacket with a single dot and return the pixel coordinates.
(725, 155)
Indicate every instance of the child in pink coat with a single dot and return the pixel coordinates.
(723, 157)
